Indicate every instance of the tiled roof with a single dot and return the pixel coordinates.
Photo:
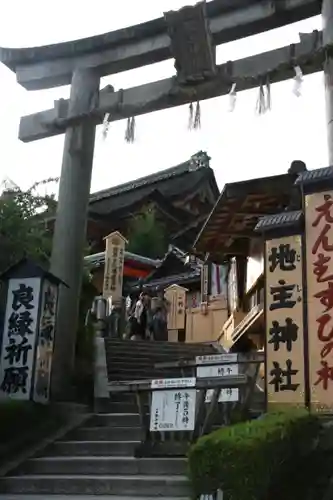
(284, 219)
(198, 161)
(230, 225)
(192, 276)
(313, 176)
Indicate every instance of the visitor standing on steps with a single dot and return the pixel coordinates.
(160, 315)
(139, 325)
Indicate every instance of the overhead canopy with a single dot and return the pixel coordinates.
(230, 226)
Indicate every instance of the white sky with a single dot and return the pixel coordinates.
(241, 144)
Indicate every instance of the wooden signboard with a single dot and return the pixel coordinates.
(176, 297)
(285, 374)
(319, 270)
(114, 266)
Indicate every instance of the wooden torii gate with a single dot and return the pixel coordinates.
(190, 36)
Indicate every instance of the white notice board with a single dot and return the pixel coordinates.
(212, 371)
(173, 410)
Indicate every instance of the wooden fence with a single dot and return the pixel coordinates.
(209, 413)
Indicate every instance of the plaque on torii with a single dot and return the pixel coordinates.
(190, 36)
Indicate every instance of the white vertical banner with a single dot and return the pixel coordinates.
(19, 338)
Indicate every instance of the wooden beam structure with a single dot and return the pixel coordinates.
(247, 73)
(125, 49)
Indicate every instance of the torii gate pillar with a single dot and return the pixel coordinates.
(70, 227)
(327, 16)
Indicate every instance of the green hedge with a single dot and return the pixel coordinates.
(256, 460)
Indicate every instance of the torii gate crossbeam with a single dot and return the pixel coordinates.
(125, 49)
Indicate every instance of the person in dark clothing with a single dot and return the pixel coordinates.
(139, 319)
(159, 317)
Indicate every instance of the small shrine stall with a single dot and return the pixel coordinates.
(135, 267)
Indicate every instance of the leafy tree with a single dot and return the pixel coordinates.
(147, 234)
(23, 231)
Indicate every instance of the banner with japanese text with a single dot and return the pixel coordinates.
(19, 338)
(319, 270)
(285, 374)
(45, 342)
(114, 266)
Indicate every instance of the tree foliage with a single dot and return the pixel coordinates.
(23, 231)
(147, 234)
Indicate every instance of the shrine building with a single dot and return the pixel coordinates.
(274, 235)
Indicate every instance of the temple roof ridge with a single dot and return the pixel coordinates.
(197, 161)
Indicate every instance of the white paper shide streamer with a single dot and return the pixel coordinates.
(106, 125)
(298, 80)
(232, 98)
(264, 101)
(194, 119)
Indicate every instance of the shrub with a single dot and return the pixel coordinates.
(253, 460)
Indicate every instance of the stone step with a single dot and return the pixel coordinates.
(127, 397)
(161, 344)
(154, 357)
(104, 466)
(84, 497)
(162, 486)
(149, 374)
(140, 365)
(114, 420)
(152, 348)
(145, 357)
(106, 434)
(126, 362)
(120, 407)
(92, 448)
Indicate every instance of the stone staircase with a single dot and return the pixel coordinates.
(130, 360)
(98, 458)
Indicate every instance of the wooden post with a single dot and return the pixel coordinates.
(327, 16)
(176, 297)
(70, 227)
(113, 281)
(114, 267)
